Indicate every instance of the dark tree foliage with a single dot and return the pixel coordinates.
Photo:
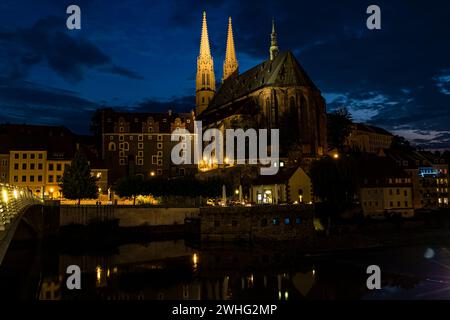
(157, 187)
(339, 126)
(400, 143)
(77, 182)
(130, 187)
(335, 181)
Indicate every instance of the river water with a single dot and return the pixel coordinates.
(176, 270)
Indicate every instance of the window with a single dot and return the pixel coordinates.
(405, 193)
(121, 138)
(160, 154)
(24, 166)
(4, 163)
(40, 166)
(16, 156)
(154, 159)
(159, 172)
(398, 191)
(40, 156)
(24, 156)
(39, 178)
(140, 145)
(391, 204)
(31, 178)
(112, 146)
(390, 192)
(16, 166)
(32, 156)
(121, 153)
(287, 221)
(111, 138)
(50, 167)
(122, 161)
(126, 146)
(58, 178)
(160, 137)
(24, 178)
(398, 203)
(140, 137)
(298, 220)
(140, 161)
(16, 179)
(276, 221)
(140, 154)
(406, 203)
(159, 162)
(32, 166)
(160, 145)
(131, 138)
(58, 167)
(50, 178)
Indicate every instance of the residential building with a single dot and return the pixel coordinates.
(368, 138)
(385, 188)
(289, 185)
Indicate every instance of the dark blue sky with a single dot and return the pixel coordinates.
(141, 55)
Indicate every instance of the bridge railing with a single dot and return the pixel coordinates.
(12, 201)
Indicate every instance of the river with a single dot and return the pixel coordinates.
(177, 270)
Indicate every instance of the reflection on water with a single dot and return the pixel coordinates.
(174, 271)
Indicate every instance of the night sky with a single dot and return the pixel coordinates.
(141, 55)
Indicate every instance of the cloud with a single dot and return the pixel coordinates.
(177, 104)
(24, 101)
(48, 41)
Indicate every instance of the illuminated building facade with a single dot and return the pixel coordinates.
(276, 94)
(139, 144)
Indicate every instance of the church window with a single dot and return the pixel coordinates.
(268, 111)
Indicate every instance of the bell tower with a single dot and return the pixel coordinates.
(205, 80)
(230, 65)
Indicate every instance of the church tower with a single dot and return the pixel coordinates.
(230, 64)
(205, 81)
(273, 42)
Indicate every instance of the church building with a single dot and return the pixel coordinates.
(276, 94)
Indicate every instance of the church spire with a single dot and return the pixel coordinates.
(230, 64)
(205, 51)
(273, 42)
(205, 80)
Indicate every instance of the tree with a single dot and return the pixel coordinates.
(400, 143)
(335, 181)
(77, 182)
(130, 187)
(339, 126)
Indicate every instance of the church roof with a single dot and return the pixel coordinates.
(283, 71)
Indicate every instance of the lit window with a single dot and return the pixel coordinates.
(276, 221)
(287, 221)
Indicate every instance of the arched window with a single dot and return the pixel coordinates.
(112, 146)
(293, 114)
(268, 111)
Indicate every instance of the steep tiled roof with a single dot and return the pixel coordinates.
(284, 70)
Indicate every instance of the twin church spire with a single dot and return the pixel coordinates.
(205, 80)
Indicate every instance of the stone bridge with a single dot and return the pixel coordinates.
(18, 207)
